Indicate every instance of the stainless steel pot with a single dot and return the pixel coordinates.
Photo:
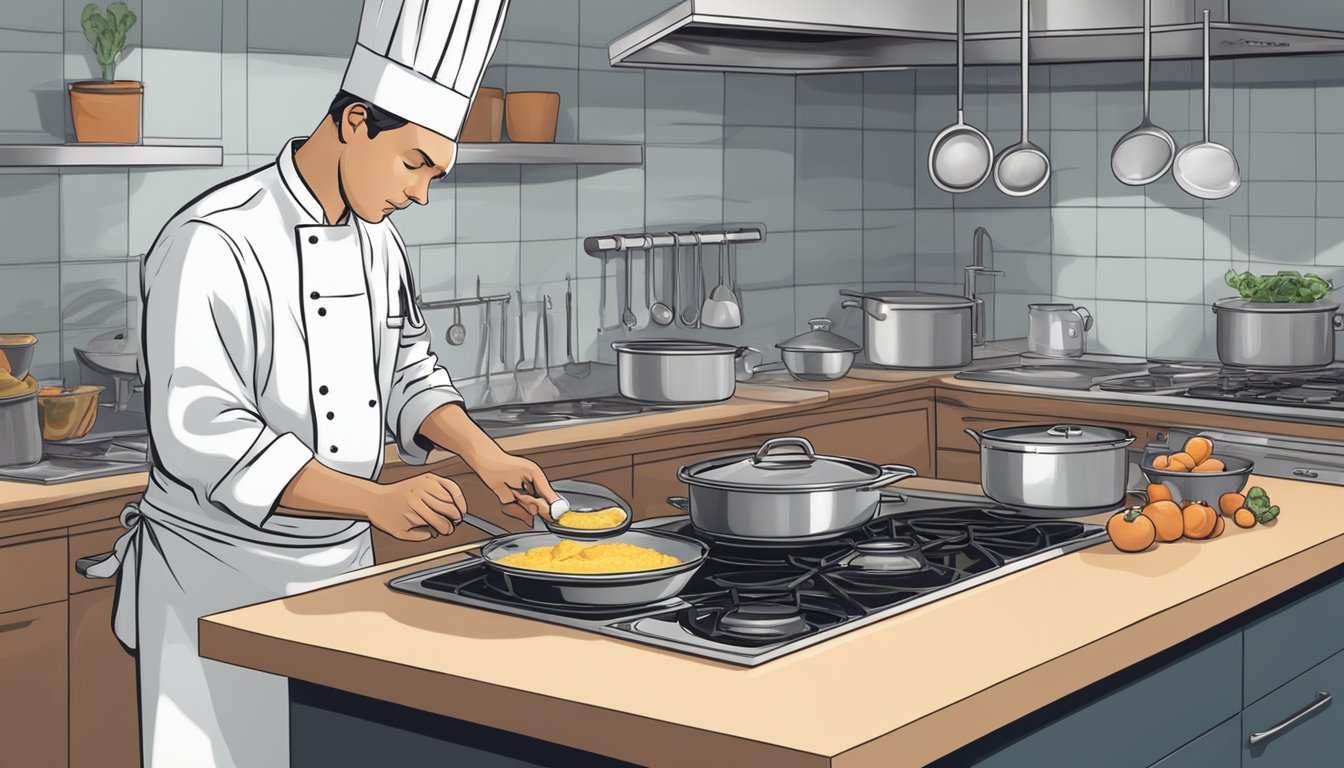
(1255, 334)
(20, 429)
(817, 355)
(1045, 469)
(784, 491)
(676, 371)
(915, 330)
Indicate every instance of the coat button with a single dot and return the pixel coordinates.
(334, 449)
(373, 403)
(322, 390)
(330, 415)
(322, 311)
(314, 295)
(312, 239)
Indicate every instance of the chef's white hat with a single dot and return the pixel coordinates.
(423, 59)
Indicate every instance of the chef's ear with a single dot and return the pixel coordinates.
(355, 117)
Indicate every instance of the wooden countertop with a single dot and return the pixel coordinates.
(855, 700)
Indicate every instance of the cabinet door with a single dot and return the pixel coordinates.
(1292, 640)
(104, 714)
(1308, 740)
(33, 686)
(1219, 748)
(895, 438)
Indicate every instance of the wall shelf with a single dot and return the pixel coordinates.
(117, 155)
(520, 153)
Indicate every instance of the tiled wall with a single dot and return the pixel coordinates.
(1146, 261)
(827, 164)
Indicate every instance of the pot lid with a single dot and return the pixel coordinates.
(1058, 437)
(917, 300)
(782, 464)
(674, 347)
(1234, 304)
(819, 339)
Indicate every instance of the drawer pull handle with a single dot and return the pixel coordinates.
(16, 625)
(1322, 701)
(83, 564)
(1307, 473)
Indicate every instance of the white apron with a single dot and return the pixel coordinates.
(271, 340)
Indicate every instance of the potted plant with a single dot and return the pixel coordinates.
(107, 110)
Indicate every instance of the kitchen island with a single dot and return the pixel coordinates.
(904, 691)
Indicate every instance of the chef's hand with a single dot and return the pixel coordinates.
(419, 508)
(519, 484)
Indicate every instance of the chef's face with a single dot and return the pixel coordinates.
(391, 170)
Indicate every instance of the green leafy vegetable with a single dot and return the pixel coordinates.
(1287, 286)
(106, 32)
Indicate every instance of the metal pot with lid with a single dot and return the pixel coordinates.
(910, 329)
(1260, 334)
(784, 491)
(1053, 468)
(815, 355)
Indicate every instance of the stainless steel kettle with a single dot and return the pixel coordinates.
(1057, 330)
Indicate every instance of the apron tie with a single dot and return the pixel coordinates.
(123, 563)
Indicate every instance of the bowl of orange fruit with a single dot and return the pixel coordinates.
(1195, 472)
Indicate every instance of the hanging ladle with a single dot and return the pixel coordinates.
(961, 156)
(1023, 168)
(1145, 154)
(660, 312)
(1207, 170)
(457, 332)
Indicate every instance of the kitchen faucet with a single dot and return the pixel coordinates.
(968, 289)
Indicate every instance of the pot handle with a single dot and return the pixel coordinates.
(680, 502)
(1339, 321)
(891, 473)
(851, 304)
(1085, 316)
(784, 452)
(747, 361)
(976, 436)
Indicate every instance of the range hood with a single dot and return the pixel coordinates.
(807, 36)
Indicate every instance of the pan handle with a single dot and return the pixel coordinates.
(976, 436)
(851, 304)
(680, 502)
(484, 525)
(891, 473)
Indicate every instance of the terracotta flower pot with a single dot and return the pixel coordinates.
(486, 118)
(107, 112)
(531, 115)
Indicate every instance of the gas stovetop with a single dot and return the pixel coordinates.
(750, 604)
(1319, 388)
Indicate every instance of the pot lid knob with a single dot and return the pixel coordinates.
(1064, 431)
(784, 453)
(821, 323)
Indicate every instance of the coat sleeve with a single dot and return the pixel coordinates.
(200, 357)
(419, 384)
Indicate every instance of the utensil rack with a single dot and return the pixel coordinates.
(604, 244)
(469, 301)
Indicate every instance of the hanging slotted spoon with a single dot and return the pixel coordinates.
(572, 368)
(528, 378)
(502, 389)
(487, 338)
(1145, 154)
(721, 309)
(546, 389)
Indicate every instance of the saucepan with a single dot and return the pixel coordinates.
(1054, 470)
(584, 589)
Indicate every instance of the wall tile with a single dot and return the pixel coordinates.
(1074, 231)
(935, 246)
(751, 99)
(438, 272)
(685, 185)
(927, 194)
(1329, 107)
(433, 222)
(551, 21)
(1031, 273)
(1122, 326)
(94, 295)
(534, 54)
(94, 211)
(1330, 156)
(1175, 331)
(1121, 279)
(888, 169)
(601, 21)
(888, 247)
(1290, 110)
(828, 257)
(758, 176)
(1174, 234)
(46, 365)
(73, 373)
(1074, 169)
(1073, 110)
(767, 264)
(1010, 313)
(610, 200)
(1281, 198)
(1280, 158)
(830, 101)
(1330, 242)
(549, 202)
(488, 203)
(1330, 198)
(1215, 281)
(889, 100)
(829, 179)
(287, 95)
(34, 95)
(683, 107)
(1026, 230)
(611, 105)
(30, 27)
(1120, 232)
(30, 298)
(824, 301)
(1283, 239)
(30, 218)
(496, 264)
(312, 27)
(546, 262)
(1175, 280)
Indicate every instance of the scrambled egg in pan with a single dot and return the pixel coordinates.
(609, 517)
(576, 557)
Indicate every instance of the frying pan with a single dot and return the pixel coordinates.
(588, 589)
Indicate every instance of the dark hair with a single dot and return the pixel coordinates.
(379, 119)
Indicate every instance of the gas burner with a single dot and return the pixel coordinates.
(741, 618)
(885, 556)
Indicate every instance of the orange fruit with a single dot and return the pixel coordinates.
(1199, 519)
(1166, 517)
(1210, 465)
(1244, 518)
(1158, 492)
(1131, 531)
(1199, 449)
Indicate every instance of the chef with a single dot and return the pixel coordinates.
(281, 341)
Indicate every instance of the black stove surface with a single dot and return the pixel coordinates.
(745, 595)
(1314, 388)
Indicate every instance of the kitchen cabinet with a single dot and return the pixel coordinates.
(1310, 739)
(104, 712)
(32, 571)
(1142, 721)
(1292, 640)
(1219, 748)
(33, 693)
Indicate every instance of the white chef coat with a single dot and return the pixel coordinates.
(269, 338)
